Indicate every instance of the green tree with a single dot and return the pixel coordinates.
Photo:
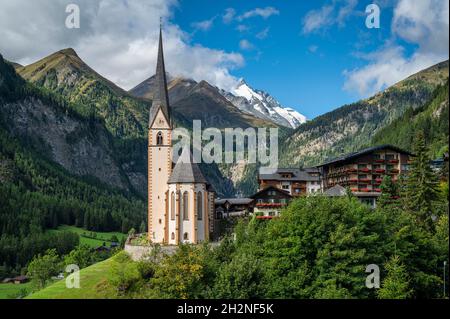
(396, 283)
(421, 184)
(82, 256)
(43, 267)
(389, 193)
(123, 273)
(142, 228)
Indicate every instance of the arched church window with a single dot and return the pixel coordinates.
(172, 206)
(185, 236)
(185, 206)
(199, 206)
(159, 139)
(172, 236)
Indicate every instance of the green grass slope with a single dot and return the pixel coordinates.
(12, 291)
(91, 238)
(93, 285)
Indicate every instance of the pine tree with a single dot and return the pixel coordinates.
(389, 193)
(396, 283)
(422, 183)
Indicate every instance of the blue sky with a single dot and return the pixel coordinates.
(313, 56)
(305, 70)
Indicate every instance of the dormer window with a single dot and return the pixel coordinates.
(159, 139)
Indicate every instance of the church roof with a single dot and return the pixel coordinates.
(161, 96)
(186, 171)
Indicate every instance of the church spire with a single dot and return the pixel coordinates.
(161, 96)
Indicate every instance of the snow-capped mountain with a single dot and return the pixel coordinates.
(262, 105)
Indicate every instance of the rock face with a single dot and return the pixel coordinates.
(200, 100)
(263, 105)
(82, 150)
(351, 127)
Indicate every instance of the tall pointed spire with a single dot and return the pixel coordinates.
(161, 96)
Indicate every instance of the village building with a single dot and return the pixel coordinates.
(180, 199)
(362, 172)
(269, 202)
(295, 181)
(233, 207)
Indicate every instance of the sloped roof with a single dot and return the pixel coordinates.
(234, 201)
(365, 151)
(186, 171)
(336, 190)
(299, 174)
(271, 188)
(161, 96)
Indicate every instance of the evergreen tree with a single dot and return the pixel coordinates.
(422, 184)
(396, 283)
(389, 193)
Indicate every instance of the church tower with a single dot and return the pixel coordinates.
(159, 154)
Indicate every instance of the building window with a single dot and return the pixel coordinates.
(172, 236)
(172, 206)
(199, 206)
(285, 186)
(159, 139)
(185, 206)
(185, 236)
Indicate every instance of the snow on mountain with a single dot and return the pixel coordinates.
(262, 105)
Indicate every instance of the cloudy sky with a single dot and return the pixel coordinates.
(310, 55)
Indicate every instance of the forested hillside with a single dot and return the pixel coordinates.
(126, 116)
(36, 193)
(353, 126)
(432, 118)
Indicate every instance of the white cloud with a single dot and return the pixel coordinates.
(263, 34)
(261, 12)
(331, 14)
(228, 15)
(242, 28)
(117, 38)
(246, 45)
(203, 25)
(313, 48)
(391, 63)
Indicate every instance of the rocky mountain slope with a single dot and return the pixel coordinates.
(125, 116)
(262, 105)
(200, 100)
(42, 123)
(353, 126)
(431, 118)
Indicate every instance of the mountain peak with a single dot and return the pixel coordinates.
(242, 82)
(68, 51)
(262, 105)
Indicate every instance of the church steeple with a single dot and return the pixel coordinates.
(161, 96)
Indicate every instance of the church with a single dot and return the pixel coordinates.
(180, 199)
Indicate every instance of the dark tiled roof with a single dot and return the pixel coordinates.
(161, 96)
(365, 151)
(234, 201)
(336, 190)
(271, 188)
(186, 171)
(299, 174)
